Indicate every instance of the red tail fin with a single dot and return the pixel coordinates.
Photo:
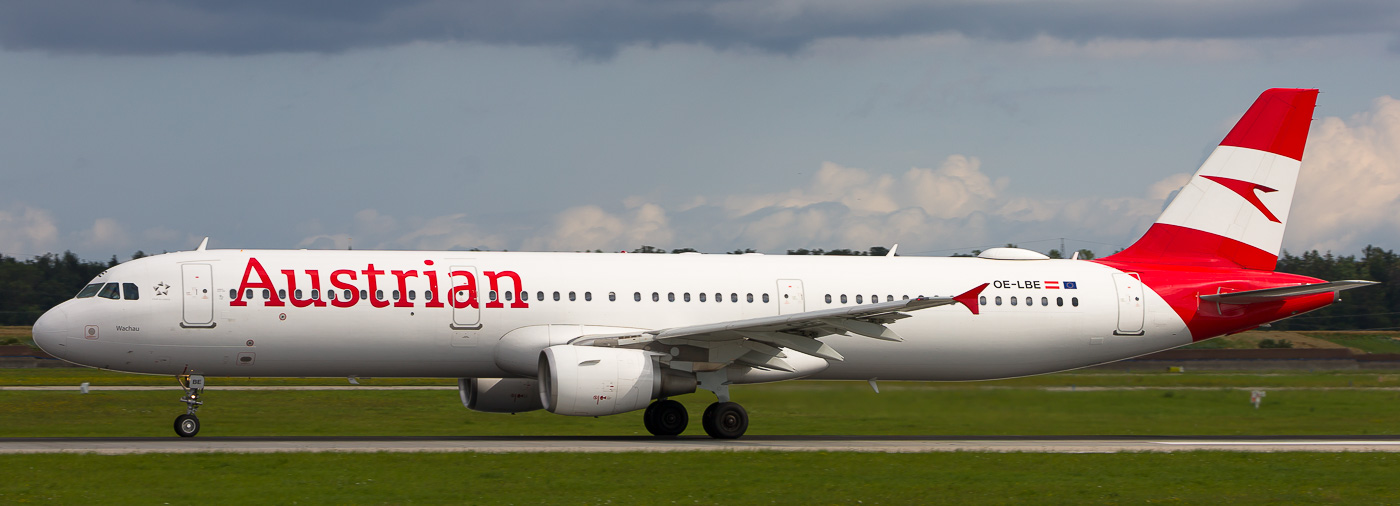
(1233, 211)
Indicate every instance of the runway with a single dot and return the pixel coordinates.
(868, 444)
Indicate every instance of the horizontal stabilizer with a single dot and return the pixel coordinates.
(1282, 293)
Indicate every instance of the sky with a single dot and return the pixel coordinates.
(774, 125)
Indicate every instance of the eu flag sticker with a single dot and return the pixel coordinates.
(1069, 285)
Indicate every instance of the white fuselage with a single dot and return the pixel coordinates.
(197, 326)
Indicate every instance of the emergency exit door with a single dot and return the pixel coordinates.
(790, 297)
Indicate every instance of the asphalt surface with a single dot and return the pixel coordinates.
(877, 444)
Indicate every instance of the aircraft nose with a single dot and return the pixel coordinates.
(50, 329)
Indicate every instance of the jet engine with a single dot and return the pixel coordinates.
(499, 395)
(593, 381)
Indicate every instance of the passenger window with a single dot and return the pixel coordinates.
(889, 298)
(685, 296)
(612, 296)
(349, 295)
(765, 298)
(428, 295)
(524, 296)
(330, 294)
(587, 296)
(1029, 302)
(539, 296)
(509, 295)
(556, 296)
(364, 294)
(1013, 301)
(1060, 301)
(860, 299)
(248, 294)
(702, 296)
(298, 294)
(395, 293)
(110, 291)
(316, 294)
(906, 297)
(733, 297)
(1074, 301)
(412, 295)
(233, 293)
(572, 297)
(129, 291)
(267, 294)
(655, 297)
(843, 298)
(982, 300)
(637, 296)
(828, 298)
(719, 297)
(671, 296)
(1045, 301)
(282, 293)
(998, 300)
(379, 295)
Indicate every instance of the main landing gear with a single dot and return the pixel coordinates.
(187, 425)
(722, 420)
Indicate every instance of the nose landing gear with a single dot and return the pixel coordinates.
(187, 425)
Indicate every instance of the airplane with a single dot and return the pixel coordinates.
(593, 334)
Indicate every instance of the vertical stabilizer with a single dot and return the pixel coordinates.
(1233, 211)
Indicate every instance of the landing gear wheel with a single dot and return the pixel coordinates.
(666, 418)
(725, 420)
(187, 425)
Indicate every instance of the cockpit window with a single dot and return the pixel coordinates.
(129, 291)
(110, 291)
(89, 291)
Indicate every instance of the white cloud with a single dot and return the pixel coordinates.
(1349, 188)
(591, 227)
(27, 231)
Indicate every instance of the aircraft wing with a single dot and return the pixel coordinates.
(756, 341)
(1287, 292)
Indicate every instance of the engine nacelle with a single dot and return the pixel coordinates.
(594, 381)
(500, 395)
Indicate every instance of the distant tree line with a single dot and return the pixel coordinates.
(29, 287)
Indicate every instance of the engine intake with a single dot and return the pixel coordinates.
(500, 395)
(592, 381)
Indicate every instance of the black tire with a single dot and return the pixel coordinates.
(649, 418)
(667, 418)
(187, 425)
(726, 420)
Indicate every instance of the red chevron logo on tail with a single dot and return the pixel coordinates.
(1246, 189)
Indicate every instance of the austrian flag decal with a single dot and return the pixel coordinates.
(1056, 285)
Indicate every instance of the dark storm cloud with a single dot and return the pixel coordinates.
(600, 27)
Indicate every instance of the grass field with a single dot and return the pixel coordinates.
(1076, 403)
(701, 478)
(784, 408)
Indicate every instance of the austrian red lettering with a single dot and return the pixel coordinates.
(432, 295)
(468, 288)
(349, 288)
(374, 299)
(263, 282)
(403, 287)
(515, 288)
(292, 289)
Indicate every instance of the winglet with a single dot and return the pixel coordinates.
(202, 244)
(969, 298)
(890, 253)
